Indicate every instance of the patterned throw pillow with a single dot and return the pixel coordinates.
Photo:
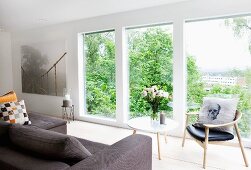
(14, 112)
(218, 111)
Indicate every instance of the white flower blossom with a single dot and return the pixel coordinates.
(147, 89)
(155, 88)
(144, 93)
(165, 94)
(151, 90)
(154, 96)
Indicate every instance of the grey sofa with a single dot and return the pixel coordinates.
(131, 153)
(48, 123)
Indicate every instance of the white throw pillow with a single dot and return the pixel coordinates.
(218, 111)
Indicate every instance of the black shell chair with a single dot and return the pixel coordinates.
(205, 134)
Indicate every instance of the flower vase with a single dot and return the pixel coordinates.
(154, 119)
(154, 123)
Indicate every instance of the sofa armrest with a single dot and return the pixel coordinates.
(130, 153)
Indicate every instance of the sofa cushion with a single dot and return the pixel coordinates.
(45, 122)
(48, 144)
(8, 97)
(4, 128)
(93, 147)
(12, 158)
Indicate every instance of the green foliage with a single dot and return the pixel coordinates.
(150, 58)
(195, 86)
(244, 105)
(100, 74)
(240, 27)
(151, 63)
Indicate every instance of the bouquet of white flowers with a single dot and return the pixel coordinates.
(154, 96)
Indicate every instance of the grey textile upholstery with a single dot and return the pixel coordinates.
(92, 147)
(214, 135)
(48, 144)
(13, 159)
(4, 127)
(60, 129)
(48, 123)
(131, 153)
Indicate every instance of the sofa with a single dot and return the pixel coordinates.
(17, 143)
(48, 123)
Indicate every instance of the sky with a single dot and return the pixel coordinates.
(215, 46)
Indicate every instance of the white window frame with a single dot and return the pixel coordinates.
(122, 78)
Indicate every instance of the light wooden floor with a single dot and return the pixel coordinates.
(174, 157)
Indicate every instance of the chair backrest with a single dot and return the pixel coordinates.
(237, 116)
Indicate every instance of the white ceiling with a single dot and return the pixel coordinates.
(26, 14)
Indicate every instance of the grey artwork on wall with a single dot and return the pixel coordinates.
(43, 68)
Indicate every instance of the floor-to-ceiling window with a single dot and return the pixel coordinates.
(218, 55)
(150, 52)
(218, 61)
(100, 92)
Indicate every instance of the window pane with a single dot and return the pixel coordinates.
(219, 62)
(100, 73)
(151, 63)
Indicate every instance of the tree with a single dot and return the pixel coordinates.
(240, 27)
(195, 86)
(244, 104)
(151, 63)
(150, 55)
(100, 74)
(33, 63)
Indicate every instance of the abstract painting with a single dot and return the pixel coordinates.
(43, 68)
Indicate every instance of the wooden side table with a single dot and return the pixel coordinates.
(68, 113)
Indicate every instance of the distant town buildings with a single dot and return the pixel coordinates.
(222, 80)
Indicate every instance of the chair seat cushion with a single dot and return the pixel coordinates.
(214, 135)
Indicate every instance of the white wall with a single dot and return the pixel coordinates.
(176, 13)
(5, 63)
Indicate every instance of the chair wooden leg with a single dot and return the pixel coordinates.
(240, 143)
(205, 147)
(185, 130)
(134, 132)
(184, 137)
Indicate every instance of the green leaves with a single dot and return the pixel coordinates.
(150, 57)
(100, 74)
(240, 27)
